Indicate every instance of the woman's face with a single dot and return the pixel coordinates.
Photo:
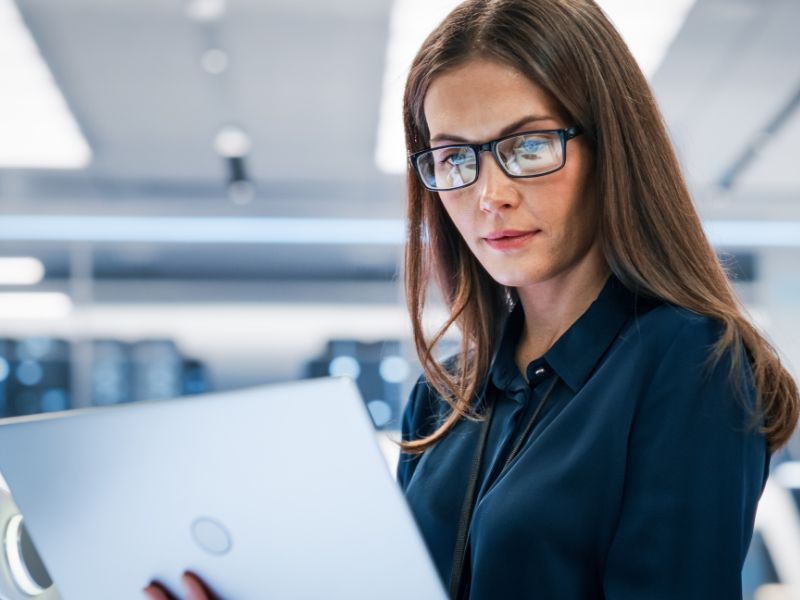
(554, 216)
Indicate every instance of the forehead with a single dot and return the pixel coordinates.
(478, 99)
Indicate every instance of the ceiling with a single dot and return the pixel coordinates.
(308, 70)
(730, 93)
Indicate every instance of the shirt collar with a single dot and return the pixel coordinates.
(576, 353)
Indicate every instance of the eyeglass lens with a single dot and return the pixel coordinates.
(522, 156)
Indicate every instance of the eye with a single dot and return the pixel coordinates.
(454, 158)
(530, 146)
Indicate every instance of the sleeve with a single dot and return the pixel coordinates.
(415, 424)
(694, 475)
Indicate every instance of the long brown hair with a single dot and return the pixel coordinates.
(651, 234)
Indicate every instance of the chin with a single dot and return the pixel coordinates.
(516, 278)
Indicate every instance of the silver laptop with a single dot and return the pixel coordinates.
(275, 492)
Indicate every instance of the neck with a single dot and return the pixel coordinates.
(552, 306)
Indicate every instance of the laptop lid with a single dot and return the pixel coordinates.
(271, 492)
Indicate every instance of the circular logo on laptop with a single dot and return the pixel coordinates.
(211, 535)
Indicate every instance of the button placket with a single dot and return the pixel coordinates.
(498, 469)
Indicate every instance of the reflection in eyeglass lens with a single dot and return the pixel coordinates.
(454, 167)
(530, 154)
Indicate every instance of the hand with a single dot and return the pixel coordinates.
(195, 588)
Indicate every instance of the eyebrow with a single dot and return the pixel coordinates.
(506, 130)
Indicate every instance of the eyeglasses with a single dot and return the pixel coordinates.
(526, 154)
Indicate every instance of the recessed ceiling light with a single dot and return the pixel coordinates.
(214, 61)
(205, 11)
(232, 141)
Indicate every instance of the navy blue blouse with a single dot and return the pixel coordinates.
(638, 480)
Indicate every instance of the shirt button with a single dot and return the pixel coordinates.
(540, 372)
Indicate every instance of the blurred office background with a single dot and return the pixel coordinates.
(207, 195)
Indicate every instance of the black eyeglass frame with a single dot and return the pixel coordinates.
(565, 134)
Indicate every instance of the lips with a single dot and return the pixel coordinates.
(509, 239)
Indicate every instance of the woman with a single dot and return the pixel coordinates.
(606, 429)
(611, 413)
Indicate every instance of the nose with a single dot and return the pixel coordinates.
(496, 189)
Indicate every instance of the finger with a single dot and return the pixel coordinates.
(196, 587)
(156, 591)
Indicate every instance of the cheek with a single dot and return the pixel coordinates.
(556, 208)
(581, 224)
(460, 217)
(570, 229)
(578, 209)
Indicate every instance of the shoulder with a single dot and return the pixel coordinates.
(421, 416)
(685, 374)
(421, 412)
(676, 352)
(425, 409)
(663, 328)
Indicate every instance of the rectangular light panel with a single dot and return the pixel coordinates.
(38, 129)
(277, 230)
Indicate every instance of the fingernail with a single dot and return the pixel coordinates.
(188, 586)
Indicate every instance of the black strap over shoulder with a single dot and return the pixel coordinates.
(458, 581)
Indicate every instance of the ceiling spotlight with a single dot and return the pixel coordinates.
(240, 189)
(232, 141)
(205, 11)
(214, 61)
(241, 192)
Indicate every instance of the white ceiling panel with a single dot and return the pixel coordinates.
(776, 164)
(730, 71)
(305, 81)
